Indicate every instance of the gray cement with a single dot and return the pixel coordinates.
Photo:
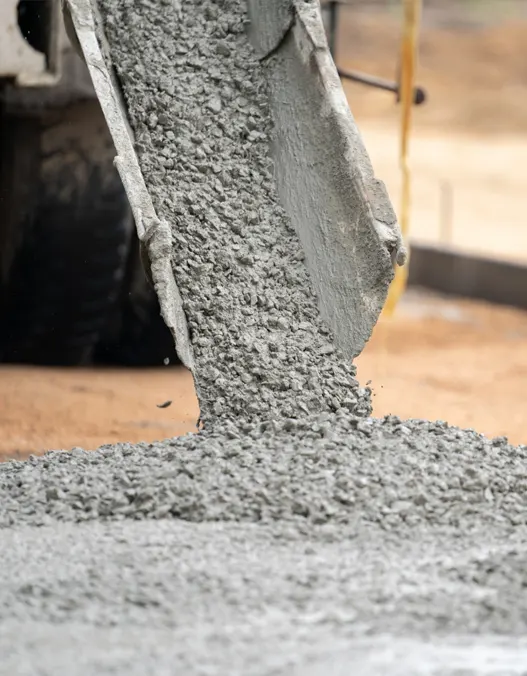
(294, 534)
(293, 548)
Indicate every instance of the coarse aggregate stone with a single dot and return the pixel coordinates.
(330, 469)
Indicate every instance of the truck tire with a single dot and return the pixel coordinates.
(65, 237)
(137, 335)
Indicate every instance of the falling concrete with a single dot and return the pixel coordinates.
(261, 287)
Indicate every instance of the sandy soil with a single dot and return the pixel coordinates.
(458, 361)
(467, 192)
(42, 409)
(475, 76)
(439, 359)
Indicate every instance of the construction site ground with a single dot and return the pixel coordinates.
(439, 358)
(421, 572)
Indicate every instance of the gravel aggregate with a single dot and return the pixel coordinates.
(330, 469)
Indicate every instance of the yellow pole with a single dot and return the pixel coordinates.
(411, 19)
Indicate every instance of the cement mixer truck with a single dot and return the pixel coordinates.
(72, 287)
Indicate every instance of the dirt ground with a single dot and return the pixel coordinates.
(438, 358)
(459, 361)
(445, 359)
(49, 408)
(474, 72)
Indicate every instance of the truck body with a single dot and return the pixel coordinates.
(72, 287)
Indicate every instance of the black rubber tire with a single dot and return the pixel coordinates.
(66, 233)
(137, 335)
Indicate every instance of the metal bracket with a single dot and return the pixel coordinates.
(332, 7)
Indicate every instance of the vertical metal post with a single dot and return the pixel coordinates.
(333, 24)
(408, 64)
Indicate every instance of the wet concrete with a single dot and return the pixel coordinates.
(167, 597)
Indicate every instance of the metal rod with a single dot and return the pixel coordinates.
(380, 83)
(333, 6)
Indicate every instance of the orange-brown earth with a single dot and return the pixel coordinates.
(457, 361)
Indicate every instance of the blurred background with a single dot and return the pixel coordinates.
(441, 356)
(469, 137)
(457, 348)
